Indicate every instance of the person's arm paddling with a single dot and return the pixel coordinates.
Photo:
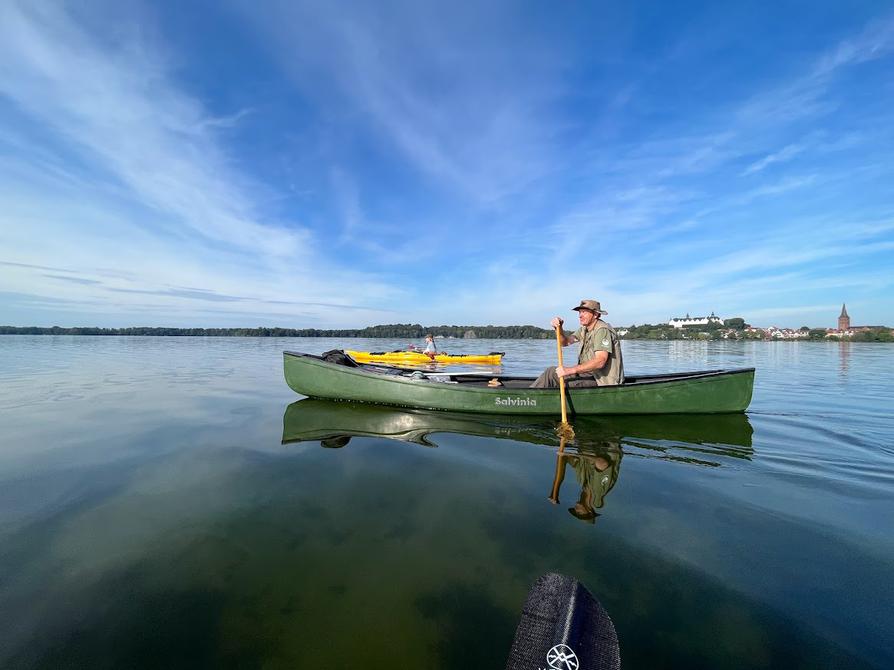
(557, 322)
(595, 363)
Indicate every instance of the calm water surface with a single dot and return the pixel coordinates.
(170, 503)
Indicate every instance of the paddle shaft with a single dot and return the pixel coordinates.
(559, 344)
(560, 472)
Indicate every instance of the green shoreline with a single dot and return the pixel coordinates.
(410, 331)
(417, 332)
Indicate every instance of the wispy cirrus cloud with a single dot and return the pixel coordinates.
(806, 94)
(116, 103)
(76, 280)
(463, 112)
(784, 154)
(418, 162)
(689, 186)
(112, 165)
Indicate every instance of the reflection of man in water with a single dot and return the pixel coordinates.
(597, 469)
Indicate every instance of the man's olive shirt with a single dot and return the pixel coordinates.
(601, 338)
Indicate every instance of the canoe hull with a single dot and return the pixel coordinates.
(711, 392)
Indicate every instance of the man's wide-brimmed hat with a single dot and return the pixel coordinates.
(592, 305)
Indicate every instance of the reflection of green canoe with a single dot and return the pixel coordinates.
(324, 420)
(594, 455)
(709, 392)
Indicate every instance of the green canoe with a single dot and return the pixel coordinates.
(707, 392)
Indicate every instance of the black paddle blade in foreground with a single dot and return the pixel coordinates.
(563, 627)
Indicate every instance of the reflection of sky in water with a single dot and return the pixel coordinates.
(148, 511)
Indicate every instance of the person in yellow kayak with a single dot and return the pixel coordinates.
(599, 362)
(430, 349)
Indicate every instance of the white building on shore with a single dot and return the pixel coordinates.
(679, 322)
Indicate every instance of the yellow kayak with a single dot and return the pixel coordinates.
(417, 358)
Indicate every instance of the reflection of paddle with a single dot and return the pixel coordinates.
(560, 473)
(565, 429)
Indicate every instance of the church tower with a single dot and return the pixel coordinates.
(844, 321)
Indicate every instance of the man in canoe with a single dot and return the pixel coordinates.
(599, 362)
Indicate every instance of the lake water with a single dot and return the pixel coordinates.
(168, 503)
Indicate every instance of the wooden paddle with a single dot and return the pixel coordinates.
(565, 428)
(560, 472)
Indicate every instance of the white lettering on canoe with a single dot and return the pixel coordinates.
(515, 402)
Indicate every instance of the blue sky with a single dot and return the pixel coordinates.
(346, 164)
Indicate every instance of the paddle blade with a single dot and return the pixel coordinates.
(565, 628)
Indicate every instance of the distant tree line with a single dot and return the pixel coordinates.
(882, 334)
(874, 334)
(392, 331)
(735, 328)
(706, 331)
(648, 331)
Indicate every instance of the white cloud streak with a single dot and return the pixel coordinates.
(460, 111)
(784, 154)
(117, 104)
(137, 190)
(113, 166)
